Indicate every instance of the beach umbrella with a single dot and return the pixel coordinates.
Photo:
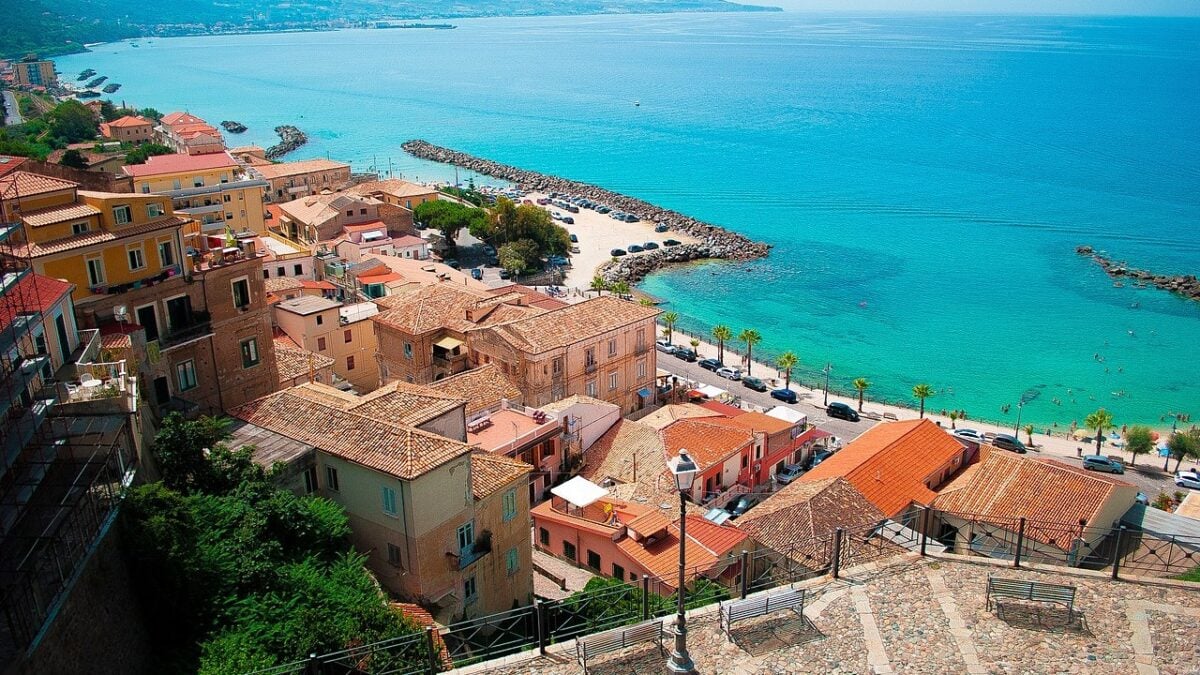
(1154, 435)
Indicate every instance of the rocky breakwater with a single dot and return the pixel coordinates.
(1186, 285)
(290, 138)
(715, 242)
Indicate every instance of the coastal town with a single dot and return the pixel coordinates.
(279, 416)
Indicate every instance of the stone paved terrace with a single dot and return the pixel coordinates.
(928, 615)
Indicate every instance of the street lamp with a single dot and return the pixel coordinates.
(828, 369)
(1017, 427)
(684, 470)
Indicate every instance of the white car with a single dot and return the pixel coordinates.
(729, 373)
(1187, 479)
(664, 346)
(968, 435)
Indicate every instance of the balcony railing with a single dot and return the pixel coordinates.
(166, 273)
(199, 326)
(589, 367)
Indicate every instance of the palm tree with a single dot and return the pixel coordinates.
(861, 384)
(669, 320)
(751, 337)
(953, 415)
(646, 302)
(599, 285)
(695, 343)
(786, 362)
(1099, 420)
(721, 333)
(1029, 434)
(922, 392)
(621, 288)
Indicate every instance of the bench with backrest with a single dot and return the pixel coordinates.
(1031, 590)
(618, 639)
(737, 610)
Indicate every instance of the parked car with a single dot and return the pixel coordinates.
(790, 473)
(574, 249)
(1010, 443)
(649, 246)
(1105, 465)
(543, 201)
(729, 373)
(1187, 479)
(664, 346)
(754, 383)
(558, 260)
(785, 395)
(452, 263)
(617, 252)
(968, 435)
(842, 411)
(635, 248)
(710, 364)
(476, 273)
(671, 242)
(568, 220)
(818, 457)
(574, 238)
(1143, 498)
(687, 354)
(741, 505)
(603, 209)
(661, 227)
(505, 274)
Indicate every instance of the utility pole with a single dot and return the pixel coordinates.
(828, 369)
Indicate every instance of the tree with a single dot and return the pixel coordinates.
(1139, 440)
(108, 111)
(599, 285)
(669, 320)
(1184, 444)
(721, 333)
(448, 217)
(953, 415)
(1099, 420)
(74, 159)
(72, 122)
(695, 343)
(1029, 434)
(749, 337)
(621, 288)
(787, 361)
(519, 256)
(141, 153)
(861, 384)
(922, 392)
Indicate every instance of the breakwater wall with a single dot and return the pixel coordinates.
(1186, 285)
(290, 138)
(715, 242)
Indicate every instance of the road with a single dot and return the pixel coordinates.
(12, 109)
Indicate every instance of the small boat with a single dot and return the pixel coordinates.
(637, 103)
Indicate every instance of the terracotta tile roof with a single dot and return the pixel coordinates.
(8, 163)
(393, 187)
(318, 209)
(661, 557)
(116, 341)
(58, 214)
(404, 403)
(24, 184)
(276, 284)
(380, 278)
(168, 164)
(423, 619)
(760, 422)
(532, 296)
(176, 118)
(1006, 487)
(671, 413)
(285, 169)
(890, 463)
(709, 442)
(32, 293)
(294, 363)
(393, 449)
(563, 404)
(440, 306)
(318, 285)
(803, 514)
(629, 452)
(481, 387)
(648, 523)
(574, 323)
(37, 249)
(723, 409)
(719, 539)
(130, 121)
(408, 240)
(491, 473)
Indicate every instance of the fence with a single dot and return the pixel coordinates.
(538, 626)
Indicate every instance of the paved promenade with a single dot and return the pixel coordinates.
(929, 616)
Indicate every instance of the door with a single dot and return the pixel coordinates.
(148, 319)
(162, 391)
(64, 347)
(179, 312)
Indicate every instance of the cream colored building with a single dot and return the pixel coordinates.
(343, 333)
(210, 188)
(34, 74)
(293, 180)
(397, 192)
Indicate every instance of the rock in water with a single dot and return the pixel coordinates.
(290, 138)
(233, 127)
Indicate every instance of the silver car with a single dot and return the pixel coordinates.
(1187, 479)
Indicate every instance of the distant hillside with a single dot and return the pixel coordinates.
(62, 26)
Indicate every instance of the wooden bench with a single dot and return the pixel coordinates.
(1035, 591)
(618, 639)
(736, 610)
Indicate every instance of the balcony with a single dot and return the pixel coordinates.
(240, 184)
(200, 210)
(641, 349)
(589, 367)
(199, 326)
(166, 273)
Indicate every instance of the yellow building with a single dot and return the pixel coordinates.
(34, 74)
(211, 189)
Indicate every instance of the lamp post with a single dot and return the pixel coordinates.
(1174, 419)
(1017, 427)
(684, 470)
(828, 369)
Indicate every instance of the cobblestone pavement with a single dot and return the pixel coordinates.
(545, 587)
(930, 616)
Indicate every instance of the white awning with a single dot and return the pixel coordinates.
(579, 491)
(373, 235)
(787, 414)
(711, 391)
(448, 343)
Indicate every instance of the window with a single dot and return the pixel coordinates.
(154, 210)
(618, 572)
(350, 362)
(79, 228)
(350, 213)
(511, 561)
(137, 260)
(568, 550)
(510, 505)
(470, 592)
(250, 353)
(591, 388)
(389, 500)
(641, 369)
(331, 478)
(224, 178)
(310, 480)
(226, 198)
(166, 253)
(593, 560)
(320, 319)
(612, 381)
(408, 353)
(612, 347)
(557, 366)
(466, 536)
(95, 271)
(228, 215)
(348, 335)
(298, 269)
(242, 213)
(641, 337)
(745, 461)
(544, 536)
(279, 271)
(146, 189)
(320, 344)
(186, 375)
(175, 185)
(393, 552)
(362, 212)
(198, 181)
(266, 274)
(241, 293)
(590, 356)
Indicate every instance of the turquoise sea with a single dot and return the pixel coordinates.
(924, 179)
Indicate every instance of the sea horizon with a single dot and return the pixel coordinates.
(924, 178)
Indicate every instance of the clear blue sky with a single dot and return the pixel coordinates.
(1120, 7)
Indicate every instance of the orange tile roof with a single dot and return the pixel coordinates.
(491, 473)
(441, 306)
(18, 184)
(380, 278)
(890, 463)
(761, 422)
(1006, 487)
(38, 249)
(59, 214)
(574, 323)
(709, 442)
(130, 121)
(672, 413)
(294, 363)
(722, 408)
(532, 296)
(631, 452)
(648, 523)
(481, 387)
(404, 403)
(33, 293)
(180, 163)
(275, 284)
(393, 449)
(172, 119)
(719, 539)
(285, 169)
(804, 514)
(318, 285)
(661, 557)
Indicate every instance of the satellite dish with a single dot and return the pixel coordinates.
(120, 312)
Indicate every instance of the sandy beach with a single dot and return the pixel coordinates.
(598, 235)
